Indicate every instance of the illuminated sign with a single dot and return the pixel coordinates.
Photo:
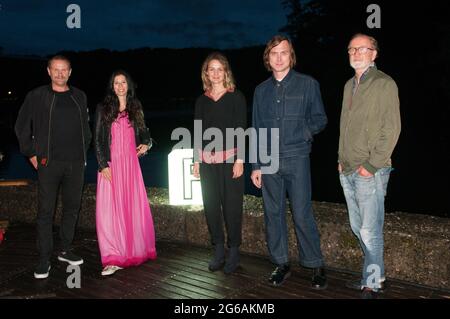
(184, 188)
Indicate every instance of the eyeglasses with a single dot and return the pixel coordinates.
(361, 50)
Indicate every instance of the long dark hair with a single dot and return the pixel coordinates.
(110, 104)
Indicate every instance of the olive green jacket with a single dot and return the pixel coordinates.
(370, 122)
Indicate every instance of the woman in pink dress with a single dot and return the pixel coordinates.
(124, 222)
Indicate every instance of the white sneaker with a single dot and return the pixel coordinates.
(109, 270)
(42, 271)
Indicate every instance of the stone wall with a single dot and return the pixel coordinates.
(417, 247)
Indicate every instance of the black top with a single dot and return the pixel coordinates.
(66, 137)
(230, 111)
(32, 124)
(102, 139)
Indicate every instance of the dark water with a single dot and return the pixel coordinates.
(416, 185)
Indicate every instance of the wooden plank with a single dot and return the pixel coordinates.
(184, 282)
(179, 272)
(15, 182)
(234, 280)
(159, 281)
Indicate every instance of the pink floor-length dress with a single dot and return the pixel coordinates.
(125, 229)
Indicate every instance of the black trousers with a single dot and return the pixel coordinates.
(70, 176)
(222, 201)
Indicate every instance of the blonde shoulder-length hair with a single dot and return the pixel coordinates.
(228, 81)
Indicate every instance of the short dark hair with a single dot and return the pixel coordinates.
(59, 57)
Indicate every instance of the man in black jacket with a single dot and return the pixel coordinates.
(53, 132)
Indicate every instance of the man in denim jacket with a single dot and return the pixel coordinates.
(290, 103)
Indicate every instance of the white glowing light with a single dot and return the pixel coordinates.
(184, 188)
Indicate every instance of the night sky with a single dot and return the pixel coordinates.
(39, 26)
(415, 51)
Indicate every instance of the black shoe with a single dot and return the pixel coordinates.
(319, 279)
(356, 285)
(70, 258)
(280, 274)
(219, 258)
(368, 293)
(232, 262)
(42, 270)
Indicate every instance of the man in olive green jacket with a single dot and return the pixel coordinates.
(369, 131)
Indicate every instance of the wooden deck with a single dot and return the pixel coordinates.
(179, 272)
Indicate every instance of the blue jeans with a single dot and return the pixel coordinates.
(293, 176)
(365, 203)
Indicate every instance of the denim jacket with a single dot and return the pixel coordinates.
(294, 106)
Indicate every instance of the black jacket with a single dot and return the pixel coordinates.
(34, 122)
(103, 139)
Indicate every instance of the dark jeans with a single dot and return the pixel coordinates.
(70, 176)
(293, 176)
(222, 200)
